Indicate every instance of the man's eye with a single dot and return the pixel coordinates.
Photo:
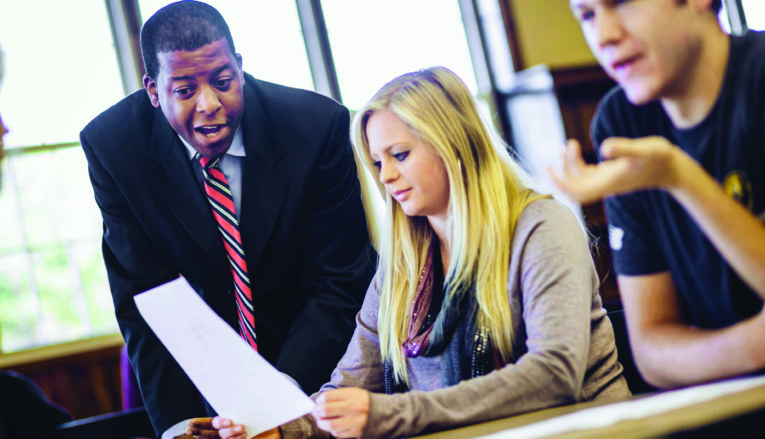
(223, 83)
(183, 91)
(400, 156)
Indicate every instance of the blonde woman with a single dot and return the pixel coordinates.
(485, 303)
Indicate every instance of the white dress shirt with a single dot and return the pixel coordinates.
(231, 164)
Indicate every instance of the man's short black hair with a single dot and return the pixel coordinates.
(183, 25)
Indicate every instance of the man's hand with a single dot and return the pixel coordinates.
(629, 165)
(222, 428)
(202, 428)
(342, 412)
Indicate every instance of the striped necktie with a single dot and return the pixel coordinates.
(222, 202)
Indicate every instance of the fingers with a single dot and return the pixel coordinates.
(215, 428)
(342, 412)
(342, 402)
(197, 433)
(202, 428)
(235, 432)
(341, 427)
(573, 162)
(575, 178)
(221, 422)
(204, 423)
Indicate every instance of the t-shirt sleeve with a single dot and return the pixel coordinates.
(633, 244)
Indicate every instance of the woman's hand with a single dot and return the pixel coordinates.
(342, 412)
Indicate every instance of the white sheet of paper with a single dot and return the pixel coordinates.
(598, 417)
(236, 381)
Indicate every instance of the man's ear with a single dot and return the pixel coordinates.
(150, 85)
(241, 71)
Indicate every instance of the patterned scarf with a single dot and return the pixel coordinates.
(465, 350)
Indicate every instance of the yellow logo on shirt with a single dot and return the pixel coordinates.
(739, 187)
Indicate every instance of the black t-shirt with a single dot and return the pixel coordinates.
(650, 232)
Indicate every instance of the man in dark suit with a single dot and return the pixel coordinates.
(286, 156)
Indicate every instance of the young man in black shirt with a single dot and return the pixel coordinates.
(682, 159)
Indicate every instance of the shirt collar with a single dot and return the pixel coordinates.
(236, 148)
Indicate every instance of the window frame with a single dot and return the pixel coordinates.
(125, 23)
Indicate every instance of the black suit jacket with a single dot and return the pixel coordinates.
(302, 225)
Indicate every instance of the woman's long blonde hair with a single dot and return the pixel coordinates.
(488, 191)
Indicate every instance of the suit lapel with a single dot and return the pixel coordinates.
(263, 186)
(176, 184)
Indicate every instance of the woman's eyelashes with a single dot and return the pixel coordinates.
(399, 156)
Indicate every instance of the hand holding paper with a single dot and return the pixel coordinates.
(236, 381)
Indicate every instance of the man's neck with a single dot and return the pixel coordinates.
(700, 89)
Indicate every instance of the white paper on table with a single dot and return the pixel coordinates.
(602, 416)
(237, 382)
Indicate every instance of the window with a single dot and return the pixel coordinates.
(373, 41)
(754, 11)
(737, 16)
(53, 286)
(53, 86)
